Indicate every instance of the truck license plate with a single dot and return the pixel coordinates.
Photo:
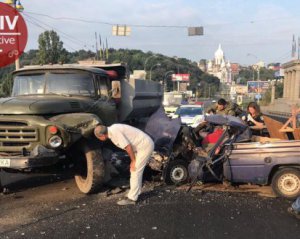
(5, 163)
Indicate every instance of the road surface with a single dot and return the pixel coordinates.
(50, 207)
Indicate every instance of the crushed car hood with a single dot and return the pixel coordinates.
(162, 129)
(41, 105)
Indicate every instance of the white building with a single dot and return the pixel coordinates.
(219, 67)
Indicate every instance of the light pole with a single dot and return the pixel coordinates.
(18, 6)
(198, 90)
(158, 64)
(147, 59)
(255, 66)
(165, 78)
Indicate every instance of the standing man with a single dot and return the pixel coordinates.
(139, 147)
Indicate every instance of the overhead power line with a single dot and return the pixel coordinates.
(106, 23)
(38, 25)
(63, 34)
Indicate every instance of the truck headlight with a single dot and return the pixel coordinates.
(55, 141)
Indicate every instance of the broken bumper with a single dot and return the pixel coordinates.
(39, 157)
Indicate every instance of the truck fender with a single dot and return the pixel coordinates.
(78, 123)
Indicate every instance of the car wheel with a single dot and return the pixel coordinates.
(176, 172)
(90, 169)
(286, 183)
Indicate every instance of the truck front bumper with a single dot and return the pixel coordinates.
(39, 157)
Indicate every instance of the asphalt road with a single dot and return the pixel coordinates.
(48, 207)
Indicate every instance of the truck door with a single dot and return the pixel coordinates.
(105, 107)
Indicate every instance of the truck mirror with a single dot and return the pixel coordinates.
(116, 89)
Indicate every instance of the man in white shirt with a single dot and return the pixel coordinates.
(139, 147)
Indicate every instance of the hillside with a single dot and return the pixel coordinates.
(135, 59)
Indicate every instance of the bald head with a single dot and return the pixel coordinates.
(101, 132)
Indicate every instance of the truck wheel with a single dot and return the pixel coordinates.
(176, 172)
(286, 183)
(90, 169)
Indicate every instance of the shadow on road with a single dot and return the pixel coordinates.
(18, 182)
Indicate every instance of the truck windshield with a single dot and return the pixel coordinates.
(54, 83)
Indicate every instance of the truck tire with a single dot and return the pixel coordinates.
(90, 169)
(286, 183)
(176, 172)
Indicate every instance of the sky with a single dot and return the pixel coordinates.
(248, 30)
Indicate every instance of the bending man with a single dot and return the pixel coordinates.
(139, 147)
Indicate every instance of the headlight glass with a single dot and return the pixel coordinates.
(55, 141)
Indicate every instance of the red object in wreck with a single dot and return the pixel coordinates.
(113, 75)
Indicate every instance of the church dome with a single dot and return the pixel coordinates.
(219, 56)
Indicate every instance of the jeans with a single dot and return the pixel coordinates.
(296, 205)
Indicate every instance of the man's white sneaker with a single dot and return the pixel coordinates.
(126, 202)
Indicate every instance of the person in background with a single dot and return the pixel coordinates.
(295, 208)
(222, 107)
(139, 147)
(254, 119)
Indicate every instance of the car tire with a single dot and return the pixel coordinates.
(90, 169)
(286, 183)
(176, 172)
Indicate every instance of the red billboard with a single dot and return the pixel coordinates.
(180, 77)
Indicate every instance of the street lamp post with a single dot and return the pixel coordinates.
(165, 78)
(158, 64)
(198, 90)
(18, 6)
(255, 66)
(147, 59)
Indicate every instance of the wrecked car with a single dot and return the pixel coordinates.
(236, 157)
(50, 117)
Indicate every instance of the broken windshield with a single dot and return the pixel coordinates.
(74, 83)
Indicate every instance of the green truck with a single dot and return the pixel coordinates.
(53, 110)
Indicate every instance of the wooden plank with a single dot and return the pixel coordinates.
(273, 127)
(296, 134)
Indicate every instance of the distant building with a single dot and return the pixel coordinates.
(291, 91)
(218, 67)
(235, 68)
(260, 64)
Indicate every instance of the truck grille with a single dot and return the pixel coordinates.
(17, 134)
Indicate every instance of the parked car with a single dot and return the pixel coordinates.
(189, 114)
(241, 158)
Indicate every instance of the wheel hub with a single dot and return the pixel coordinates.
(177, 174)
(289, 184)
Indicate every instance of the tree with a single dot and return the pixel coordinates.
(51, 48)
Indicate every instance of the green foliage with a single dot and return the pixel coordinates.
(51, 48)
(138, 60)
(248, 74)
(278, 93)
